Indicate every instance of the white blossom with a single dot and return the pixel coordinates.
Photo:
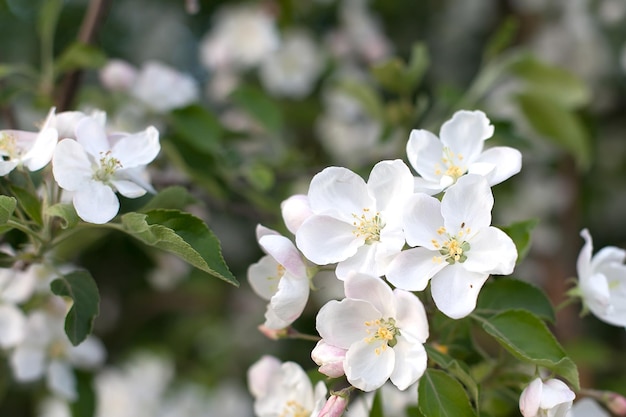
(163, 88)
(551, 398)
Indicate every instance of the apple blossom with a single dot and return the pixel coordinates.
(334, 407)
(602, 281)
(588, 407)
(440, 163)
(284, 389)
(16, 287)
(96, 165)
(551, 398)
(456, 246)
(382, 331)
(330, 359)
(354, 223)
(295, 210)
(280, 277)
(118, 75)
(163, 88)
(29, 149)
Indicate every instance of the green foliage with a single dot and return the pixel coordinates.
(377, 405)
(181, 234)
(175, 197)
(398, 77)
(30, 203)
(66, 213)
(197, 127)
(458, 369)
(503, 294)
(7, 207)
(520, 232)
(79, 56)
(82, 289)
(440, 395)
(528, 338)
(259, 106)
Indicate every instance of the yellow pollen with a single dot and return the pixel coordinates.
(441, 230)
(367, 226)
(384, 331)
(454, 248)
(453, 166)
(293, 408)
(107, 167)
(280, 270)
(8, 147)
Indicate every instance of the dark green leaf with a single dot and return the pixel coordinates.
(181, 234)
(48, 15)
(377, 405)
(440, 395)
(171, 198)
(418, 64)
(78, 56)
(504, 294)
(390, 75)
(198, 128)
(528, 338)
(459, 369)
(30, 203)
(258, 105)
(7, 207)
(503, 37)
(520, 232)
(82, 289)
(66, 212)
(553, 121)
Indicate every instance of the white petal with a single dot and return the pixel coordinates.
(261, 231)
(373, 290)
(264, 276)
(340, 193)
(555, 392)
(330, 359)
(137, 149)
(7, 166)
(583, 264)
(411, 315)
(295, 210)
(466, 132)
(285, 253)
(138, 175)
(367, 368)
(505, 161)
(12, 325)
(492, 252)
(27, 363)
(70, 165)
(96, 203)
(325, 240)
(413, 268)
(342, 323)
(606, 256)
(422, 219)
(41, 153)
(17, 286)
(364, 260)
(90, 354)
(424, 151)
(290, 300)
(91, 135)
(455, 290)
(390, 183)
(128, 188)
(410, 363)
(61, 380)
(467, 203)
(420, 185)
(530, 399)
(260, 373)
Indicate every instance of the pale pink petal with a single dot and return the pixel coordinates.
(330, 359)
(70, 165)
(424, 152)
(373, 290)
(390, 183)
(422, 220)
(61, 380)
(555, 392)
(368, 368)
(341, 323)
(285, 253)
(492, 252)
(27, 363)
(530, 399)
(264, 276)
(465, 133)
(410, 363)
(12, 325)
(137, 149)
(91, 135)
(467, 204)
(260, 373)
(411, 316)
(261, 231)
(90, 354)
(325, 240)
(607, 256)
(455, 290)
(295, 210)
(583, 264)
(505, 163)
(290, 299)
(413, 268)
(96, 203)
(364, 260)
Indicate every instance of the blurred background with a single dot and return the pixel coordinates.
(253, 98)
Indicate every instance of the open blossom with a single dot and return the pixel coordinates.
(602, 281)
(455, 246)
(284, 389)
(163, 88)
(29, 149)
(96, 165)
(440, 163)
(382, 331)
(16, 287)
(354, 223)
(551, 398)
(281, 278)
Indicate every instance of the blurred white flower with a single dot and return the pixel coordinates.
(587, 407)
(240, 38)
(363, 34)
(292, 70)
(551, 398)
(602, 281)
(65, 122)
(16, 287)
(32, 150)
(163, 88)
(54, 407)
(118, 75)
(96, 165)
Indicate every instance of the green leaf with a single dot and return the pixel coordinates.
(7, 207)
(175, 197)
(198, 128)
(377, 405)
(181, 234)
(520, 232)
(563, 127)
(82, 289)
(528, 338)
(418, 64)
(394, 75)
(440, 395)
(66, 212)
(503, 37)
(556, 83)
(30, 203)
(459, 369)
(48, 16)
(258, 105)
(366, 96)
(78, 56)
(504, 294)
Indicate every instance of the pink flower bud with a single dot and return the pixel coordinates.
(617, 404)
(118, 75)
(273, 334)
(330, 358)
(334, 407)
(295, 211)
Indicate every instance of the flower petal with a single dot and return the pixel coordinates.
(465, 133)
(91, 135)
(285, 253)
(455, 290)
(373, 290)
(342, 323)
(137, 149)
(260, 373)
(530, 399)
(368, 366)
(264, 276)
(467, 204)
(61, 380)
(410, 315)
(41, 152)
(96, 203)
(70, 165)
(390, 183)
(413, 268)
(492, 252)
(12, 325)
(289, 301)
(128, 188)
(27, 363)
(422, 219)
(410, 363)
(295, 210)
(325, 240)
(505, 161)
(424, 151)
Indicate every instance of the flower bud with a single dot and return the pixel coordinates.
(616, 403)
(118, 75)
(334, 407)
(273, 334)
(330, 358)
(295, 211)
